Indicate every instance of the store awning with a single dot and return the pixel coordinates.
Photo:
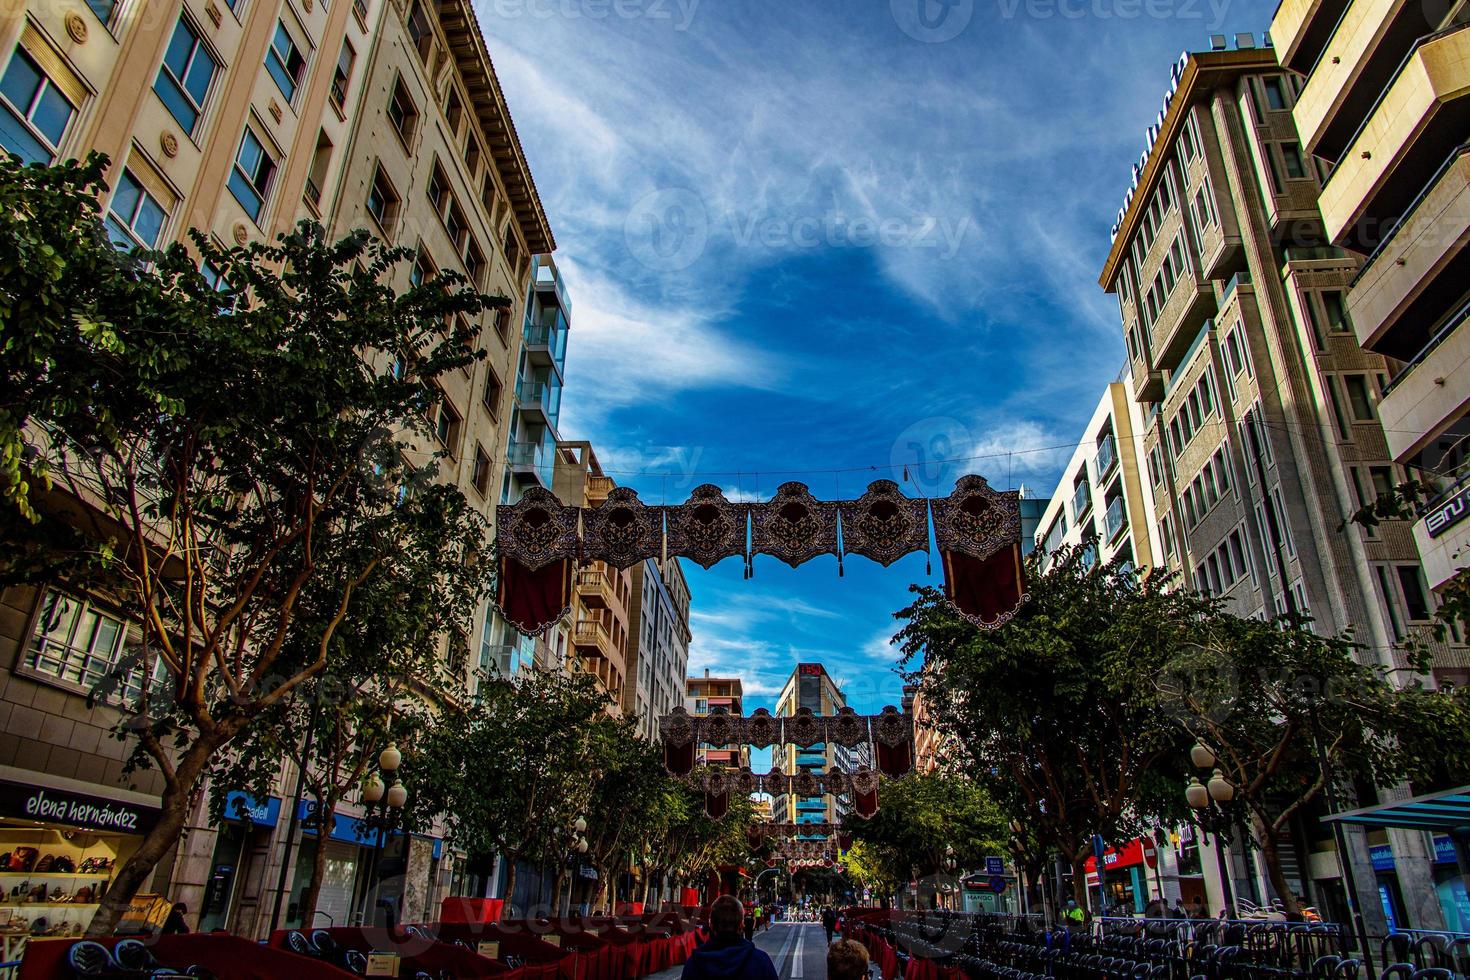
(1445, 812)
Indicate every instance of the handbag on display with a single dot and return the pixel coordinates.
(22, 859)
(83, 895)
(5, 861)
(63, 865)
(36, 894)
(46, 864)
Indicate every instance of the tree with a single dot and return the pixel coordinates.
(631, 806)
(1290, 714)
(924, 820)
(513, 768)
(1056, 714)
(240, 456)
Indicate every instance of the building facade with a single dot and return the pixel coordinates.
(1382, 104)
(1100, 502)
(658, 655)
(811, 687)
(704, 695)
(1261, 414)
(239, 118)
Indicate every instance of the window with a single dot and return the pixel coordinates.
(185, 76)
(342, 76)
(285, 62)
(480, 476)
(250, 181)
(36, 112)
(502, 322)
(445, 421)
(76, 642)
(472, 154)
(1343, 429)
(136, 218)
(1275, 93)
(1359, 397)
(382, 202)
(1390, 601)
(402, 111)
(454, 110)
(474, 263)
(490, 198)
(1416, 600)
(1291, 155)
(419, 30)
(1337, 317)
(423, 269)
(512, 245)
(321, 158)
(490, 397)
(454, 223)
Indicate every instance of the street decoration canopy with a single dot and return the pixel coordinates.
(977, 530)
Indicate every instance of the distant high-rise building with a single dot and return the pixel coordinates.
(658, 653)
(1380, 93)
(704, 695)
(810, 686)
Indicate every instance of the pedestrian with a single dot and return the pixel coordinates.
(847, 960)
(176, 924)
(748, 923)
(1177, 912)
(1198, 910)
(1072, 916)
(829, 922)
(726, 956)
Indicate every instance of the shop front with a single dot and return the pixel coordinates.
(1449, 885)
(1123, 887)
(61, 841)
(237, 872)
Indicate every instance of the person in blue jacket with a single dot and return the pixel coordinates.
(727, 955)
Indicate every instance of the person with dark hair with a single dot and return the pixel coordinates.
(847, 960)
(726, 955)
(829, 922)
(176, 924)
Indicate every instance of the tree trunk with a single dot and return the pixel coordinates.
(174, 811)
(318, 865)
(507, 910)
(1271, 856)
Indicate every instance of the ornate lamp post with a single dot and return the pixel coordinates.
(385, 797)
(1214, 810)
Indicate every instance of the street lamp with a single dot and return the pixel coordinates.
(1212, 803)
(385, 797)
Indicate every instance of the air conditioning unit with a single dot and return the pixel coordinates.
(1218, 42)
(1245, 42)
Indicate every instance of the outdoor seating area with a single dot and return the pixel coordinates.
(944, 945)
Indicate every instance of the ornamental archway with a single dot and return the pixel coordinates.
(976, 530)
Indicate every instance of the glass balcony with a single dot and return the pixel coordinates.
(1107, 457)
(1116, 519)
(534, 460)
(545, 336)
(546, 280)
(1081, 501)
(539, 398)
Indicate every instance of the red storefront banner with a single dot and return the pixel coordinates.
(1140, 850)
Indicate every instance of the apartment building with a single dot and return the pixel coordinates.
(702, 696)
(1100, 501)
(1260, 412)
(658, 655)
(238, 118)
(810, 686)
(1382, 106)
(594, 635)
(536, 403)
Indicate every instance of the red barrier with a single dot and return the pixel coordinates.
(471, 909)
(227, 957)
(414, 951)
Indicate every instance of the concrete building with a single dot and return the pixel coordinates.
(702, 695)
(810, 686)
(1381, 96)
(594, 635)
(658, 654)
(238, 119)
(1101, 496)
(1261, 427)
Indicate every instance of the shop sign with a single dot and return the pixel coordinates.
(243, 806)
(48, 805)
(1381, 857)
(1444, 849)
(1140, 850)
(1446, 515)
(381, 965)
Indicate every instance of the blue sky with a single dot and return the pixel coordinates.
(834, 235)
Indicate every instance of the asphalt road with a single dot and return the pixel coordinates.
(798, 949)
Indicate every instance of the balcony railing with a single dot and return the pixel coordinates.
(531, 459)
(1408, 212)
(536, 395)
(595, 588)
(1081, 501)
(1456, 320)
(590, 633)
(1116, 518)
(1107, 456)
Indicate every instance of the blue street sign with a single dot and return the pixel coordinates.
(995, 866)
(997, 884)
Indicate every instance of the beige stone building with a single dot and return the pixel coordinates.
(658, 655)
(703, 695)
(1261, 413)
(239, 117)
(1383, 108)
(810, 686)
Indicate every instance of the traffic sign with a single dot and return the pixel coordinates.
(995, 865)
(997, 884)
